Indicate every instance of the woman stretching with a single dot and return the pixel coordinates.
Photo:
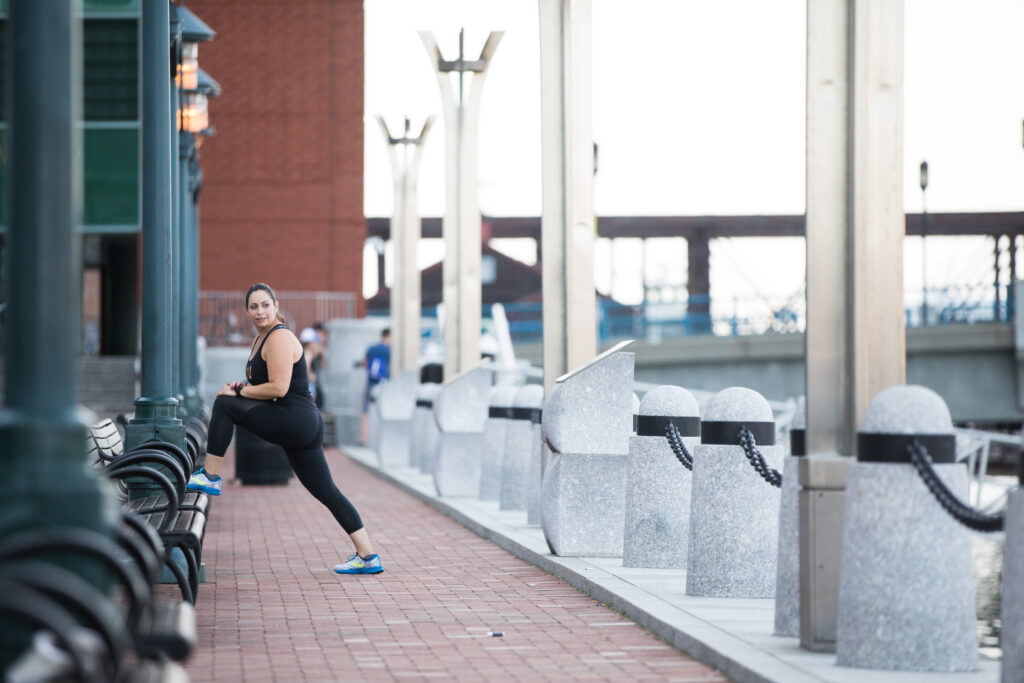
(275, 404)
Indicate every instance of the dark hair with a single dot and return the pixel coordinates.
(263, 287)
(386, 332)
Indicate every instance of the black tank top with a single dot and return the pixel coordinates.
(256, 371)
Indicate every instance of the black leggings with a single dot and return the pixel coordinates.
(295, 427)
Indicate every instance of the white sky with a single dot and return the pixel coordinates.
(698, 108)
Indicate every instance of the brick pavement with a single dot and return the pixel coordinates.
(272, 609)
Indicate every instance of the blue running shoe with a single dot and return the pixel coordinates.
(201, 481)
(360, 565)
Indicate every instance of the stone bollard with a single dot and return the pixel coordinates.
(906, 587)
(587, 422)
(734, 512)
(460, 410)
(787, 576)
(498, 417)
(1012, 636)
(658, 490)
(425, 435)
(373, 419)
(521, 462)
(395, 404)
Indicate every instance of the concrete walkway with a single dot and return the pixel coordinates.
(272, 608)
(734, 636)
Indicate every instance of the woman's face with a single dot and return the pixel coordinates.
(262, 310)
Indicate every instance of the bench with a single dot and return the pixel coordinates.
(176, 514)
(94, 631)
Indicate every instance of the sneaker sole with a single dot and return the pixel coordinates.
(376, 570)
(204, 489)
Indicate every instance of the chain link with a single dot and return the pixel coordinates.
(966, 515)
(675, 441)
(749, 445)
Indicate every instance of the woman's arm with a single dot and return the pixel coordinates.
(279, 352)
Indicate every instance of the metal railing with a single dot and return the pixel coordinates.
(223, 322)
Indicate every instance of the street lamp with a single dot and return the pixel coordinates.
(924, 233)
(193, 31)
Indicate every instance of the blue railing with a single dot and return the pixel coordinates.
(755, 315)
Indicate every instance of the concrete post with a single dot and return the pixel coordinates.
(156, 411)
(658, 488)
(405, 232)
(567, 222)
(461, 226)
(1012, 639)
(787, 576)
(734, 512)
(855, 226)
(906, 588)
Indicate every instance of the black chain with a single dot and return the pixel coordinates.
(757, 460)
(678, 447)
(966, 515)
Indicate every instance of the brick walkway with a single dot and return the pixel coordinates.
(272, 609)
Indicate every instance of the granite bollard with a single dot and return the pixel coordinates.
(521, 459)
(373, 418)
(734, 512)
(395, 405)
(460, 410)
(425, 435)
(657, 524)
(587, 423)
(906, 586)
(787, 575)
(498, 417)
(1012, 636)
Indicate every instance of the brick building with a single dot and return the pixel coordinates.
(282, 198)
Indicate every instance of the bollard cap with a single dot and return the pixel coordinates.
(503, 396)
(907, 409)
(429, 390)
(799, 414)
(669, 400)
(397, 398)
(738, 404)
(529, 396)
(461, 406)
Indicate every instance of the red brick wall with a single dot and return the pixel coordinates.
(282, 198)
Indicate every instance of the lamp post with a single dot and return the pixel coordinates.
(194, 126)
(195, 87)
(924, 254)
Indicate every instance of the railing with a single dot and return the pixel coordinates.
(959, 304)
(223, 322)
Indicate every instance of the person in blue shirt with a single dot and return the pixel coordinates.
(378, 365)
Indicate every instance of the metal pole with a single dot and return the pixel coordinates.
(176, 218)
(461, 272)
(156, 411)
(47, 481)
(567, 223)
(186, 308)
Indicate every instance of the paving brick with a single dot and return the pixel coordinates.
(273, 609)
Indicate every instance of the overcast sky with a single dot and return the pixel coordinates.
(698, 108)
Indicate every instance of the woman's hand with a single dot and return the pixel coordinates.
(229, 388)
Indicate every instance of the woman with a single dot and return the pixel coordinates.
(275, 404)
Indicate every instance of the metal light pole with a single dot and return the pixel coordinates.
(461, 226)
(47, 481)
(156, 411)
(195, 87)
(405, 232)
(924, 253)
(176, 227)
